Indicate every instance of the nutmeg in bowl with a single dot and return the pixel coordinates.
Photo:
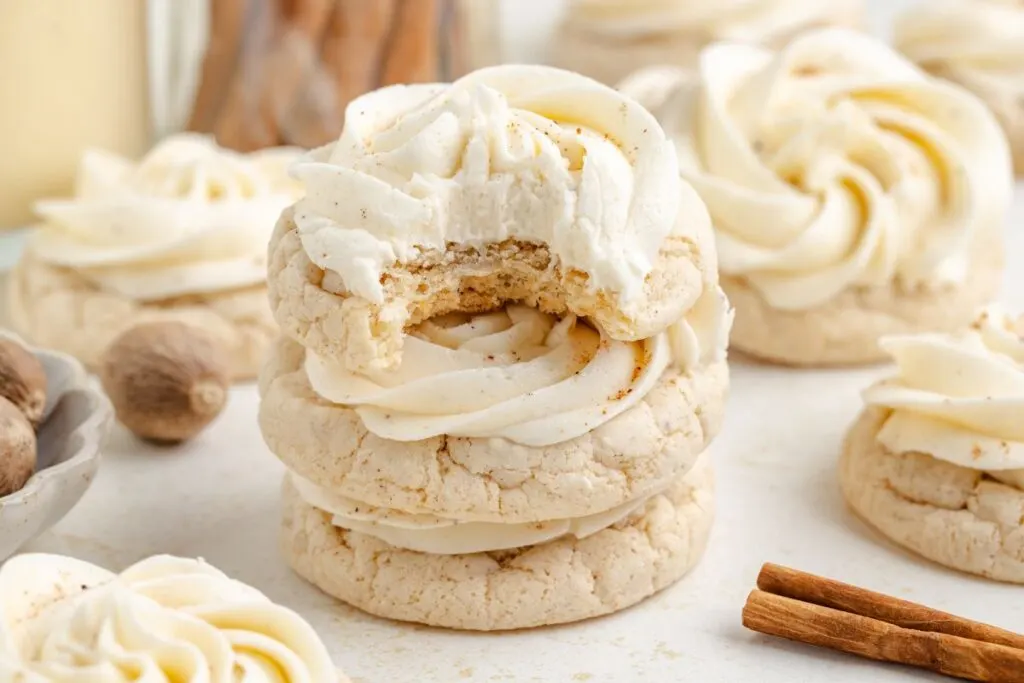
(71, 426)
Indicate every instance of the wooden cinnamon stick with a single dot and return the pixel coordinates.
(412, 55)
(227, 24)
(812, 624)
(353, 46)
(805, 587)
(278, 60)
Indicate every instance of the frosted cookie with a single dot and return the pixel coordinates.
(588, 571)
(463, 429)
(181, 235)
(609, 39)
(853, 195)
(936, 461)
(166, 618)
(978, 44)
(504, 350)
(515, 183)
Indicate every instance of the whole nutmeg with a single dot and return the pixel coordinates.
(17, 448)
(166, 380)
(22, 380)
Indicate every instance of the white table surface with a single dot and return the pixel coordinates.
(217, 497)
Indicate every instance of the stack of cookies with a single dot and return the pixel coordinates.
(503, 355)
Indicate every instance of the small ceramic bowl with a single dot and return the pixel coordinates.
(75, 423)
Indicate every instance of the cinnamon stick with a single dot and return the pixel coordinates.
(227, 24)
(412, 55)
(277, 62)
(798, 585)
(353, 46)
(812, 624)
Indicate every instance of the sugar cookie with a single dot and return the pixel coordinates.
(936, 460)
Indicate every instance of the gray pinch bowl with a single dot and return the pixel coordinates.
(75, 423)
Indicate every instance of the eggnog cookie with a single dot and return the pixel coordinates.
(504, 353)
(936, 461)
(608, 39)
(566, 579)
(515, 469)
(852, 194)
(978, 44)
(182, 235)
(525, 184)
(66, 621)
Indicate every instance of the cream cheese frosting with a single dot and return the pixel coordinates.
(833, 164)
(526, 153)
(442, 536)
(517, 374)
(959, 397)
(163, 619)
(189, 218)
(755, 21)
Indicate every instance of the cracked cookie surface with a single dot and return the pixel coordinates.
(490, 480)
(565, 580)
(59, 309)
(957, 517)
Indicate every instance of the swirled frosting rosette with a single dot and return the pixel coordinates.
(189, 218)
(852, 194)
(608, 39)
(978, 44)
(163, 619)
(179, 235)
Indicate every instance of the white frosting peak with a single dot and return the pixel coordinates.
(835, 163)
(529, 153)
(166, 618)
(190, 218)
(958, 397)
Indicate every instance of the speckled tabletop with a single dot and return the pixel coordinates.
(217, 497)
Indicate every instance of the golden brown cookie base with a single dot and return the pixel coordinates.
(557, 582)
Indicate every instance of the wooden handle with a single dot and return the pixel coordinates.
(813, 624)
(805, 587)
